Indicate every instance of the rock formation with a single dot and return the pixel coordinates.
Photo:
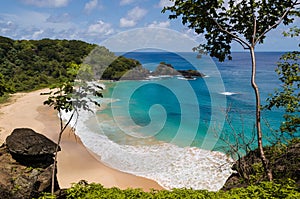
(137, 73)
(26, 165)
(167, 69)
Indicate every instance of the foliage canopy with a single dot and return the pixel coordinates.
(224, 21)
(30, 64)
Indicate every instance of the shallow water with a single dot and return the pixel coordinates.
(165, 128)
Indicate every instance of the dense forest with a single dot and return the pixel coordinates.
(32, 64)
(29, 64)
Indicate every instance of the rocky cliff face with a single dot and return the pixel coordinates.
(26, 165)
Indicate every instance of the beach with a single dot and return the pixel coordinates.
(75, 161)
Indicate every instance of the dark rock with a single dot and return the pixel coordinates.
(31, 148)
(165, 69)
(168, 69)
(137, 73)
(4, 193)
(190, 73)
(18, 181)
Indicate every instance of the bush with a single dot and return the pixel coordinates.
(287, 189)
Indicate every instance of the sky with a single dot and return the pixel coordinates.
(96, 21)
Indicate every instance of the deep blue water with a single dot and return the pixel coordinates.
(191, 112)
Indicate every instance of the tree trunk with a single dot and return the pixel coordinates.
(56, 151)
(62, 129)
(264, 160)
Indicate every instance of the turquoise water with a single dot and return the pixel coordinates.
(165, 128)
(183, 109)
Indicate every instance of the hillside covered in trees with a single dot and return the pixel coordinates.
(29, 64)
(32, 64)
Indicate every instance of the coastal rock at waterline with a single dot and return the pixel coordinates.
(165, 69)
(31, 148)
(137, 73)
(18, 181)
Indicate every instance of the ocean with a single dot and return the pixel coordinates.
(177, 131)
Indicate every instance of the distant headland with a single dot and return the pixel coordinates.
(138, 72)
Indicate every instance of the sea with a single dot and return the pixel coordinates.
(179, 131)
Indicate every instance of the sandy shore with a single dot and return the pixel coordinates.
(75, 162)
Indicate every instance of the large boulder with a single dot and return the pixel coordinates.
(19, 181)
(31, 148)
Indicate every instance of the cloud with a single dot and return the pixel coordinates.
(7, 27)
(126, 2)
(47, 3)
(91, 5)
(61, 18)
(137, 13)
(149, 38)
(36, 25)
(162, 24)
(165, 3)
(100, 28)
(37, 34)
(127, 22)
(133, 16)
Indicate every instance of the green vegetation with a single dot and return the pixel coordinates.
(263, 190)
(32, 64)
(117, 69)
(288, 95)
(27, 65)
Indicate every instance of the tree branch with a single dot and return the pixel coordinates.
(274, 25)
(254, 30)
(243, 43)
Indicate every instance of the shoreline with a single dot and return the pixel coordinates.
(75, 161)
(171, 166)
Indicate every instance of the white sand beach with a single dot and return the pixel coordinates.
(75, 162)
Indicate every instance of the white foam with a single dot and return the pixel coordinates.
(183, 78)
(169, 165)
(151, 77)
(228, 93)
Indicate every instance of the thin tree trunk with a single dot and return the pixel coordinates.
(62, 129)
(258, 117)
(56, 151)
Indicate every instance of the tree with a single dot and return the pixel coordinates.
(4, 88)
(70, 97)
(246, 22)
(288, 95)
